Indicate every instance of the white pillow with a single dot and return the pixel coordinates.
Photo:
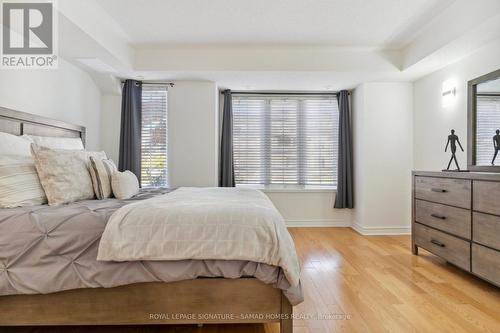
(125, 184)
(14, 145)
(56, 142)
(19, 182)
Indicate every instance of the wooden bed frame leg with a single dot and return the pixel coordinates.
(286, 323)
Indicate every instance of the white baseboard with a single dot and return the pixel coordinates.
(403, 230)
(318, 223)
(340, 223)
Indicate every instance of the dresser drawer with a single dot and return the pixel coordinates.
(486, 263)
(487, 197)
(454, 220)
(455, 192)
(487, 230)
(450, 248)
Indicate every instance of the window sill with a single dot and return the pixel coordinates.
(291, 188)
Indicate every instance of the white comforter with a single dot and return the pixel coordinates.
(202, 223)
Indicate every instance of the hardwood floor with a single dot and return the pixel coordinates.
(371, 284)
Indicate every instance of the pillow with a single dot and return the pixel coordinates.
(64, 174)
(19, 183)
(14, 145)
(125, 184)
(56, 142)
(101, 171)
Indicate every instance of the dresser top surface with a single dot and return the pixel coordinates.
(494, 176)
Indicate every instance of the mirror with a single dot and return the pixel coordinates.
(484, 123)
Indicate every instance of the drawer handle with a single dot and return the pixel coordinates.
(438, 216)
(439, 190)
(438, 243)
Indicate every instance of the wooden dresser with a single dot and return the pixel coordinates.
(456, 216)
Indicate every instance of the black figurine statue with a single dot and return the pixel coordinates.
(496, 145)
(452, 142)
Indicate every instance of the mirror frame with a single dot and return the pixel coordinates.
(471, 123)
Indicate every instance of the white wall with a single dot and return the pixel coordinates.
(311, 208)
(66, 94)
(383, 157)
(110, 125)
(358, 141)
(193, 134)
(432, 121)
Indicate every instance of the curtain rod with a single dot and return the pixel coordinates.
(284, 93)
(170, 84)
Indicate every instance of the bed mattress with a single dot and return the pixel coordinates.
(49, 249)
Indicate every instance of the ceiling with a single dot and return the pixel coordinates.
(272, 44)
(376, 23)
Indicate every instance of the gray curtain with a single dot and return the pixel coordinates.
(130, 130)
(226, 165)
(344, 198)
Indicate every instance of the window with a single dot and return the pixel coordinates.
(285, 139)
(154, 136)
(488, 121)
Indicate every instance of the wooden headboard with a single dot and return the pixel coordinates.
(19, 123)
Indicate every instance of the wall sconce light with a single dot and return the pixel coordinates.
(449, 92)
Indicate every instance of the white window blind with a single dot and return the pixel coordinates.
(488, 121)
(285, 139)
(154, 136)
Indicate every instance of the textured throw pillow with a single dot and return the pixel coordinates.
(101, 171)
(56, 142)
(14, 145)
(19, 183)
(125, 184)
(64, 174)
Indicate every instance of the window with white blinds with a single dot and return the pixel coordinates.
(285, 139)
(488, 121)
(154, 136)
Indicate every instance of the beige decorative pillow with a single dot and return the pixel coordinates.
(19, 183)
(125, 184)
(101, 171)
(64, 174)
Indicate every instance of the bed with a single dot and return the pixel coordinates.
(253, 294)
